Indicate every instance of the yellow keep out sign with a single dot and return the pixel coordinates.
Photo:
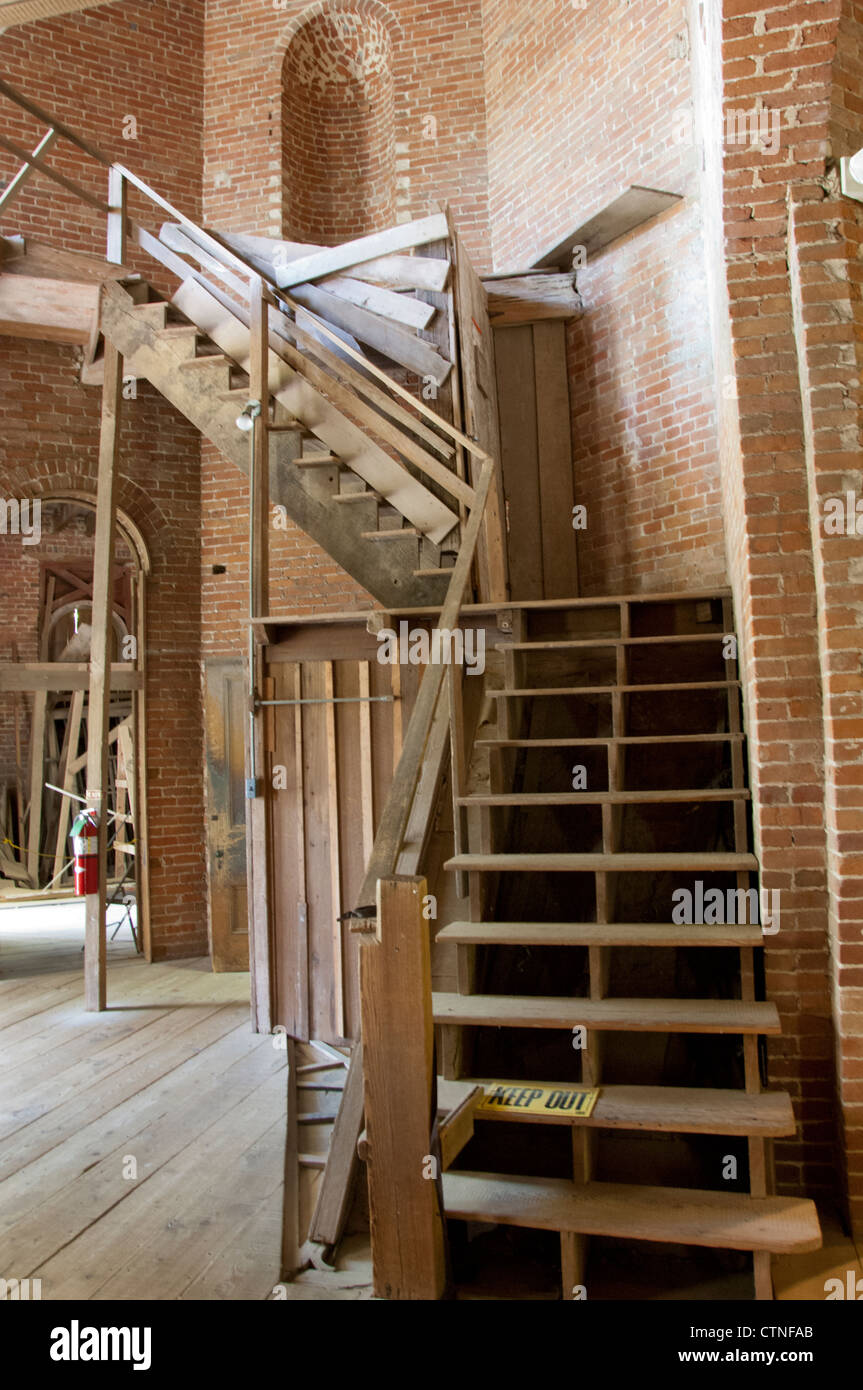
(518, 1098)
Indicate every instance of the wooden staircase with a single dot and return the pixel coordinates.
(361, 504)
(636, 703)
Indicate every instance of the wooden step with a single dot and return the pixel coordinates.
(533, 692)
(154, 312)
(348, 497)
(662, 739)
(671, 1109)
(599, 934)
(606, 1015)
(685, 1216)
(205, 359)
(576, 643)
(602, 798)
(318, 461)
(434, 573)
(706, 862)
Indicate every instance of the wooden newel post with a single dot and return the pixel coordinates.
(398, 1053)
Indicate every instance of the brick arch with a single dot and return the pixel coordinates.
(139, 518)
(370, 8)
(339, 121)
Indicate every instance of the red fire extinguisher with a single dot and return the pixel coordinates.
(85, 843)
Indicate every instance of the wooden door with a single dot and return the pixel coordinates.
(226, 701)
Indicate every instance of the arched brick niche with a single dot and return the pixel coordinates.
(339, 126)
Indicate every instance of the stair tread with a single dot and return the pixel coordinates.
(532, 691)
(708, 860)
(317, 460)
(567, 644)
(719, 1220)
(676, 1109)
(618, 1015)
(367, 496)
(603, 798)
(596, 742)
(599, 934)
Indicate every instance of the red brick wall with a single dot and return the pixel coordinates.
(786, 322)
(826, 235)
(94, 70)
(582, 103)
(339, 129)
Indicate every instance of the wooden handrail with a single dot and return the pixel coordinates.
(396, 814)
(7, 90)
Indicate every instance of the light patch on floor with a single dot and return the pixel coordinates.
(141, 1149)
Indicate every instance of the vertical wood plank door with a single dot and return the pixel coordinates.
(333, 763)
(226, 704)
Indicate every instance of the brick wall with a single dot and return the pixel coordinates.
(582, 102)
(141, 59)
(339, 158)
(785, 291)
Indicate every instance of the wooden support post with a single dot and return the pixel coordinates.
(291, 1205)
(67, 779)
(95, 991)
(37, 777)
(260, 473)
(398, 1042)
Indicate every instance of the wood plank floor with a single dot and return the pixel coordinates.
(142, 1149)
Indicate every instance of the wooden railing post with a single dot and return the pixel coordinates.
(398, 1053)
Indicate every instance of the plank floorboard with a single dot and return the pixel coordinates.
(170, 1074)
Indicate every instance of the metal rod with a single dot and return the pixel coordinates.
(340, 700)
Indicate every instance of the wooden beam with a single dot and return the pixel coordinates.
(530, 298)
(95, 985)
(48, 311)
(116, 243)
(64, 676)
(42, 168)
(334, 855)
(66, 778)
(394, 342)
(37, 777)
(336, 1186)
(25, 173)
(408, 1254)
(630, 210)
(394, 272)
(352, 253)
(7, 90)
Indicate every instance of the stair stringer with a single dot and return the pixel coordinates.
(199, 399)
(382, 473)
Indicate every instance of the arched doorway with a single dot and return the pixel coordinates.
(338, 128)
(47, 588)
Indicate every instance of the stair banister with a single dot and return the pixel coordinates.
(391, 830)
